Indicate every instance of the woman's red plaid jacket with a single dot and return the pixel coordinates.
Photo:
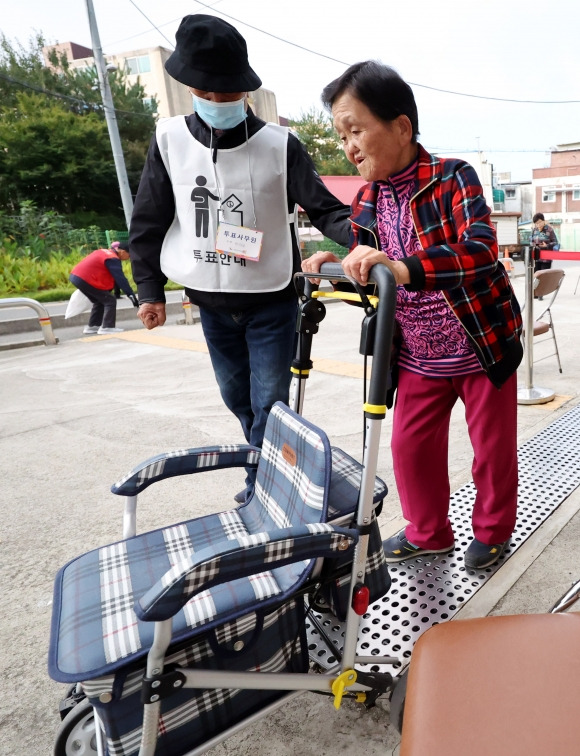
(459, 256)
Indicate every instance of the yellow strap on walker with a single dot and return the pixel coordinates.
(375, 409)
(346, 295)
(338, 686)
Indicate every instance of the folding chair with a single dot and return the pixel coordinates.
(547, 282)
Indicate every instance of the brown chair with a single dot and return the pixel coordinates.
(496, 686)
(547, 284)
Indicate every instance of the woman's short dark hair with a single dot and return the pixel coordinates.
(537, 217)
(380, 88)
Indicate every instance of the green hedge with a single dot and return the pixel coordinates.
(310, 247)
(40, 268)
(21, 274)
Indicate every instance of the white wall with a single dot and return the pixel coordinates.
(507, 229)
(263, 103)
(481, 167)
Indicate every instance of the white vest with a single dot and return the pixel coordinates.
(206, 193)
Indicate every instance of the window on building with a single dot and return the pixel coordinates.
(151, 103)
(576, 192)
(86, 67)
(510, 193)
(548, 194)
(140, 64)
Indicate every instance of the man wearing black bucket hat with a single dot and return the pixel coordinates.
(216, 212)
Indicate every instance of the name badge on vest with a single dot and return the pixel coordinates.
(239, 241)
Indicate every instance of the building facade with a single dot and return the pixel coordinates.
(147, 66)
(481, 166)
(513, 196)
(557, 194)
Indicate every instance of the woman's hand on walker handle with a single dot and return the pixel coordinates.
(152, 314)
(358, 263)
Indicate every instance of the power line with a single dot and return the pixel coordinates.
(151, 22)
(157, 28)
(41, 90)
(59, 96)
(414, 84)
(486, 150)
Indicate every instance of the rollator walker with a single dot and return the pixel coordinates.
(173, 640)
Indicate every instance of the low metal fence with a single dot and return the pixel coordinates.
(41, 311)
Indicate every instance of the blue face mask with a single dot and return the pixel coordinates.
(220, 115)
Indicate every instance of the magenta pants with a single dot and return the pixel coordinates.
(420, 445)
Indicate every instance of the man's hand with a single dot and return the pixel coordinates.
(362, 258)
(152, 314)
(313, 264)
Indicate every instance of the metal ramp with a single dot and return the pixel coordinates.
(431, 589)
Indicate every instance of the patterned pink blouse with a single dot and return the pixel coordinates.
(434, 343)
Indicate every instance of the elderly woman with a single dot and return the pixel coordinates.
(458, 322)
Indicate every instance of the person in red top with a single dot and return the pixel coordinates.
(96, 275)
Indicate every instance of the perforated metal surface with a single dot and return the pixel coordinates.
(428, 590)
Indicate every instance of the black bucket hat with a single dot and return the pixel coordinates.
(211, 55)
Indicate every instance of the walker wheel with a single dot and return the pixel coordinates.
(76, 735)
(73, 697)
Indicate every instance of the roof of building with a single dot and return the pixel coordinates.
(566, 147)
(343, 187)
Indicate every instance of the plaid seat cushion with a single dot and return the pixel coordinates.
(95, 627)
(95, 624)
(95, 594)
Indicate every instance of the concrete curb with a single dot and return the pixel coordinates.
(26, 331)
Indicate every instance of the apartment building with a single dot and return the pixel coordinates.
(147, 65)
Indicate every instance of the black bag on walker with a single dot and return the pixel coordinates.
(271, 641)
(334, 592)
(335, 589)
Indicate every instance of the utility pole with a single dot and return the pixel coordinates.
(110, 116)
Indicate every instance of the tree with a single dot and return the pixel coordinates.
(54, 145)
(54, 157)
(317, 134)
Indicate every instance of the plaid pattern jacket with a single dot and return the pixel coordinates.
(547, 234)
(459, 256)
